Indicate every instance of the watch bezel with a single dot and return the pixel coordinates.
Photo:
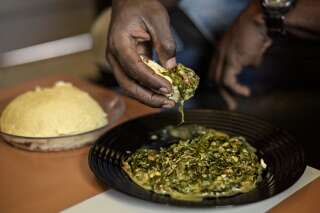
(268, 5)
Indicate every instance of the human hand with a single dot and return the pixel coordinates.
(242, 45)
(136, 26)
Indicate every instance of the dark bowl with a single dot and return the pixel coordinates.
(283, 155)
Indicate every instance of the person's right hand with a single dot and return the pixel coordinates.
(244, 44)
(136, 26)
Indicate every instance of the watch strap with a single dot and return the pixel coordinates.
(275, 18)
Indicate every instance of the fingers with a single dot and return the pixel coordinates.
(224, 79)
(226, 76)
(229, 99)
(216, 68)
(231, 82)
(267, 43)
(225, 73)
(137, 91)
(127, 54)
(218, 61)
(162, 38)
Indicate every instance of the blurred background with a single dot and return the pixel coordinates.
(36, 30)
(26, 23)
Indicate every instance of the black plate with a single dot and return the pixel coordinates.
(284, 157)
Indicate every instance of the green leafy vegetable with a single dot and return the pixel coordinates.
(208, 164)
(184, 82)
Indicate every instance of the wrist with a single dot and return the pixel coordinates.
(255, 13)
(276, 15)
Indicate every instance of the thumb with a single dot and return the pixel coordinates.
(163, 40)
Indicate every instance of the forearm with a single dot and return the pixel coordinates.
(304, 19)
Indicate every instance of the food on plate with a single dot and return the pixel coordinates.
(208, 163)
(184, 81)
(61, 110)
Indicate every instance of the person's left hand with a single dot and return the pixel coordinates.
(242, 45)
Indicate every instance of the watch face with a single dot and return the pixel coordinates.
(277, 3)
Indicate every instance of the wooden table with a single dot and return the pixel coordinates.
(49, 182)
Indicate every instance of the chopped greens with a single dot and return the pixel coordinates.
(184, 82)
(208, 164)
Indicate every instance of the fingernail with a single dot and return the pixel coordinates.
(171, 63)
(164, 90)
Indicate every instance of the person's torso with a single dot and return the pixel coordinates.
(212, 16)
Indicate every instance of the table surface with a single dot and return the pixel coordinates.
(113, 201)
(38, 182)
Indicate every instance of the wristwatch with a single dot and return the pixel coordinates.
(275, 12)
